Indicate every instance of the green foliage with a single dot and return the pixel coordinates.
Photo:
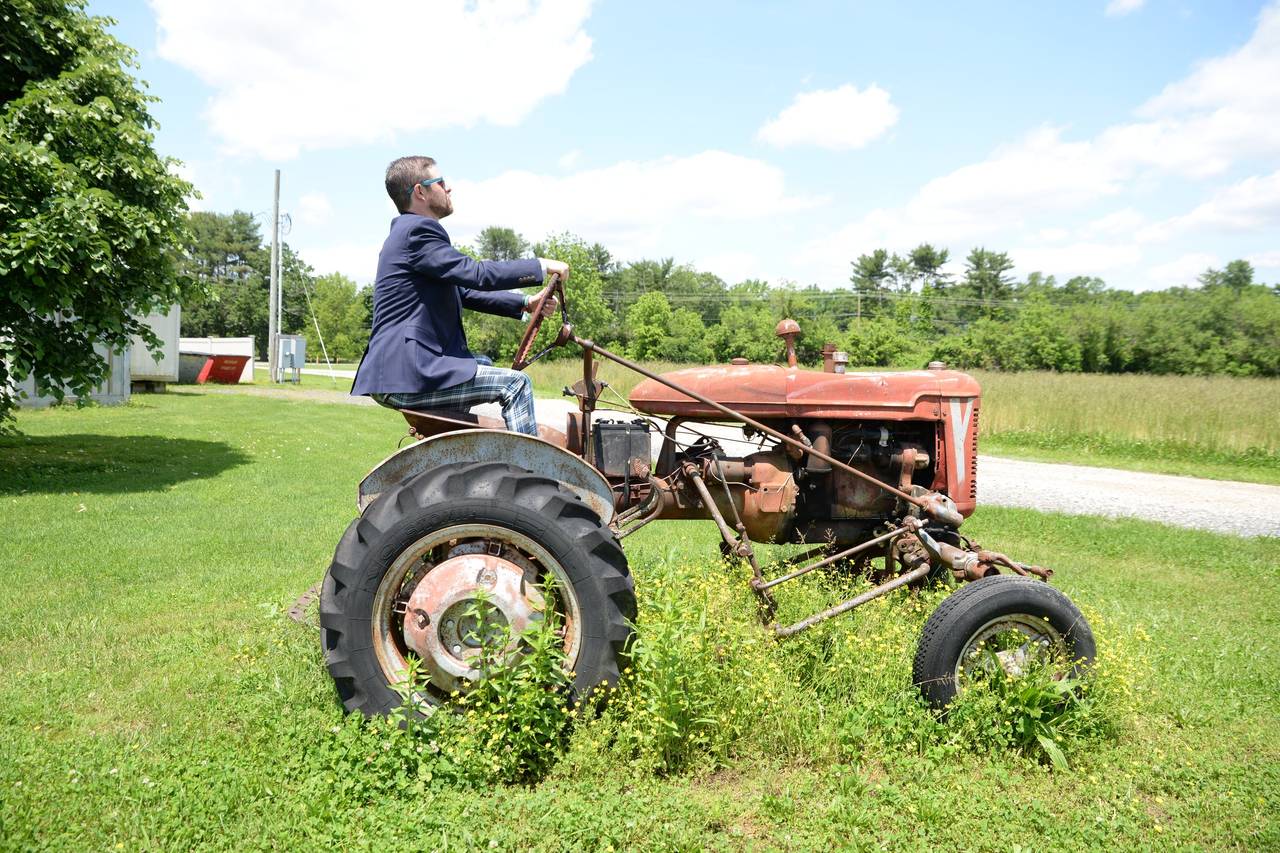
(745, 331)
(339, 309)
(501, 244)
(510, 726)
(879, 342)
(987, 279)
(657, 332)
(589, 313)
(90, 216)
(224, 253)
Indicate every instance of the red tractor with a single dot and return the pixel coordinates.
(877, 471)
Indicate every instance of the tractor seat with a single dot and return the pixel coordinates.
(427, 423)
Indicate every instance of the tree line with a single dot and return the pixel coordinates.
(897, 310)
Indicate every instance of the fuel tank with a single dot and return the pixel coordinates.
(767, 391)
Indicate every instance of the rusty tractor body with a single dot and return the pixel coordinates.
(876, 471)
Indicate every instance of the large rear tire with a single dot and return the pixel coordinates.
(439, 519)
(1006, 619)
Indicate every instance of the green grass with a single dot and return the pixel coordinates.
(1210, 426)
(309, 381)
(154, 694)
(1220, 427)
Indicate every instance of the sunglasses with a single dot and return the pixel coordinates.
(439, 180)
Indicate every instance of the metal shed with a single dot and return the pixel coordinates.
(144, 368)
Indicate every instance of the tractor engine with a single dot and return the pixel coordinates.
(914, 430)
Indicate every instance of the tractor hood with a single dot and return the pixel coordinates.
(770, 391)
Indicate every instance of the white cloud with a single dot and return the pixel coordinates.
(1040, 172)
(732, 266)
(1123, 7)
(195, 201)
(1075, 259)
(1265, 260)
(842, 118)
(1249, 205)
(314, 208)
(569, 159)
(358, 261)
(627, 206)
(1245, 79)
(1118, 223)
(1182, 270)
(289, 75)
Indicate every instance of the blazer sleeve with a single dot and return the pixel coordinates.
(504, 303)
(429, 252)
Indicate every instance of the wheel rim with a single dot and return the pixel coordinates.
(1012, 643)
(420, 607)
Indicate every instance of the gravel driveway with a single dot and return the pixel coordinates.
(1245, 509)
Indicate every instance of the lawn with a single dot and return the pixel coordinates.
(155, 695)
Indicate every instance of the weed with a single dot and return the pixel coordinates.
(510, 725)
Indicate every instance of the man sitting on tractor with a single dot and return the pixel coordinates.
(417, 357)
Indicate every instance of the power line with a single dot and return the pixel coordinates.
(727, 297)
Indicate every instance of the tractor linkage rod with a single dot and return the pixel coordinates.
(804, 570)
(857, 601)
(935, 504)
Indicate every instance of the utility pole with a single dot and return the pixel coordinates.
(273, 310)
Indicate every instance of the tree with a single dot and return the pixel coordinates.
(501, 244)
(648, 325)
(1237, 276)
(928, 261)
(224, 253)
(339, 309)
(986, 276)
(874, 276)
(91, 218)
(657, 332)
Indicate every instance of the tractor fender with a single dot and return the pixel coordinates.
(487, 445)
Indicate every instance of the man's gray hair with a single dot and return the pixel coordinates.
(403, 175)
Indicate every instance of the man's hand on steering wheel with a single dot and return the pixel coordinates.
(549, 306)
(550, 268)
(540, 306)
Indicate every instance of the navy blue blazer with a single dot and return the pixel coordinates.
(417, 343)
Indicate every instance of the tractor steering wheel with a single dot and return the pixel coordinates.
(522, 359)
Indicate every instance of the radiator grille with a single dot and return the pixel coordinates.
(973, 455)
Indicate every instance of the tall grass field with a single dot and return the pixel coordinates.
(1220, 426)
(153, 694)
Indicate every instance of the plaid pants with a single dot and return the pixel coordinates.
(511, 388)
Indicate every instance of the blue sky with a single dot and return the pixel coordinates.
(1138, 141)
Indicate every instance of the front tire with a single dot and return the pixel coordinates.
(981, 617)
(524, 524)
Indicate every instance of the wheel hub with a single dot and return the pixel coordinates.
(461, 605)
